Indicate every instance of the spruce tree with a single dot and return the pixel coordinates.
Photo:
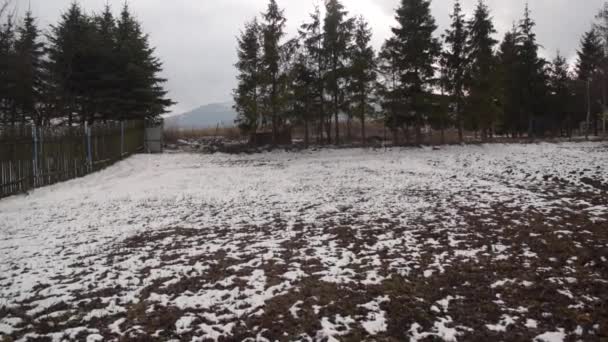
(68, 63)
(7, 68)
(561, 95)
(455, 63)
(273, 31)
(142, 95)
(362, 72)
(29, 52)
(532, 75)
(337, 30)
(417, 51)
(390, 91)
(482, 85)
(508, 59)
(591, 74)
(602, 28)
(246, 95)
(590, 56)
(303, 89)
(311, 34)
(106, 72)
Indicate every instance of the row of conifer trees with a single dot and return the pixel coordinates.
(464, 79)
(87, 68)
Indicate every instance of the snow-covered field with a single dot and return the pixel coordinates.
(506, 242)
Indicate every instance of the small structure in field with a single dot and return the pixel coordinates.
(153, 141)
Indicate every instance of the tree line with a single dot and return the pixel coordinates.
(329, 75)
(87, 68)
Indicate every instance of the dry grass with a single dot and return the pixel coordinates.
(375, 131)
(172, 135)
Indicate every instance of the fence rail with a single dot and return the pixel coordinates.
(32, 157)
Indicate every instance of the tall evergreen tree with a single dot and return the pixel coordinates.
(590, 70)
(337, 30)
(532, 75)
(303, 89)
(508, 59)
(455, 63)
(246, 95)
(68, 63)
(590, 56)
(311, 34)
(602, 28)
(7, 67)
(105, 75)
(390, 91)
(561, 94)
(417, 51)
(362, 73)
(29, 51)
(142, 95)
(482, 85)
(273, 31)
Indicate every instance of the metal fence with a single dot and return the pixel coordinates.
(32, 157)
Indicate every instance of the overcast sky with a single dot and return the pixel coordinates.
(196, 38)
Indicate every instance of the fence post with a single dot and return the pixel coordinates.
(87, 131)
(122, 139)
(35, 158)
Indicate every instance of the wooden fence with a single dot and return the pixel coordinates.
(32, 157)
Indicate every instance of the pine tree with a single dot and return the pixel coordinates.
(142, 95)
(508, 59)
(362, 72)
(561, 95)
(311, 34)
(7, 68)
(273, 31)
(590, 71)
(390, 90)
(106, 72)
(602, 28)
(482, 86)
(29, 51)
(246, 95)
(532, 74)
(417, 51)
(337, 30)
(303, 89)
(68, 63)
(455, 63)
(590, 56)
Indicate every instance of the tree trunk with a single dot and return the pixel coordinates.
(306, 132)
(363, 104)
(363, 137)
(337, 122)
(460, 124)
(349, 129)
(328, 128)
(442, 128)
(275, 135)
(418, 131)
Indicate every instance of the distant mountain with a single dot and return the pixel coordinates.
(206, 116)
